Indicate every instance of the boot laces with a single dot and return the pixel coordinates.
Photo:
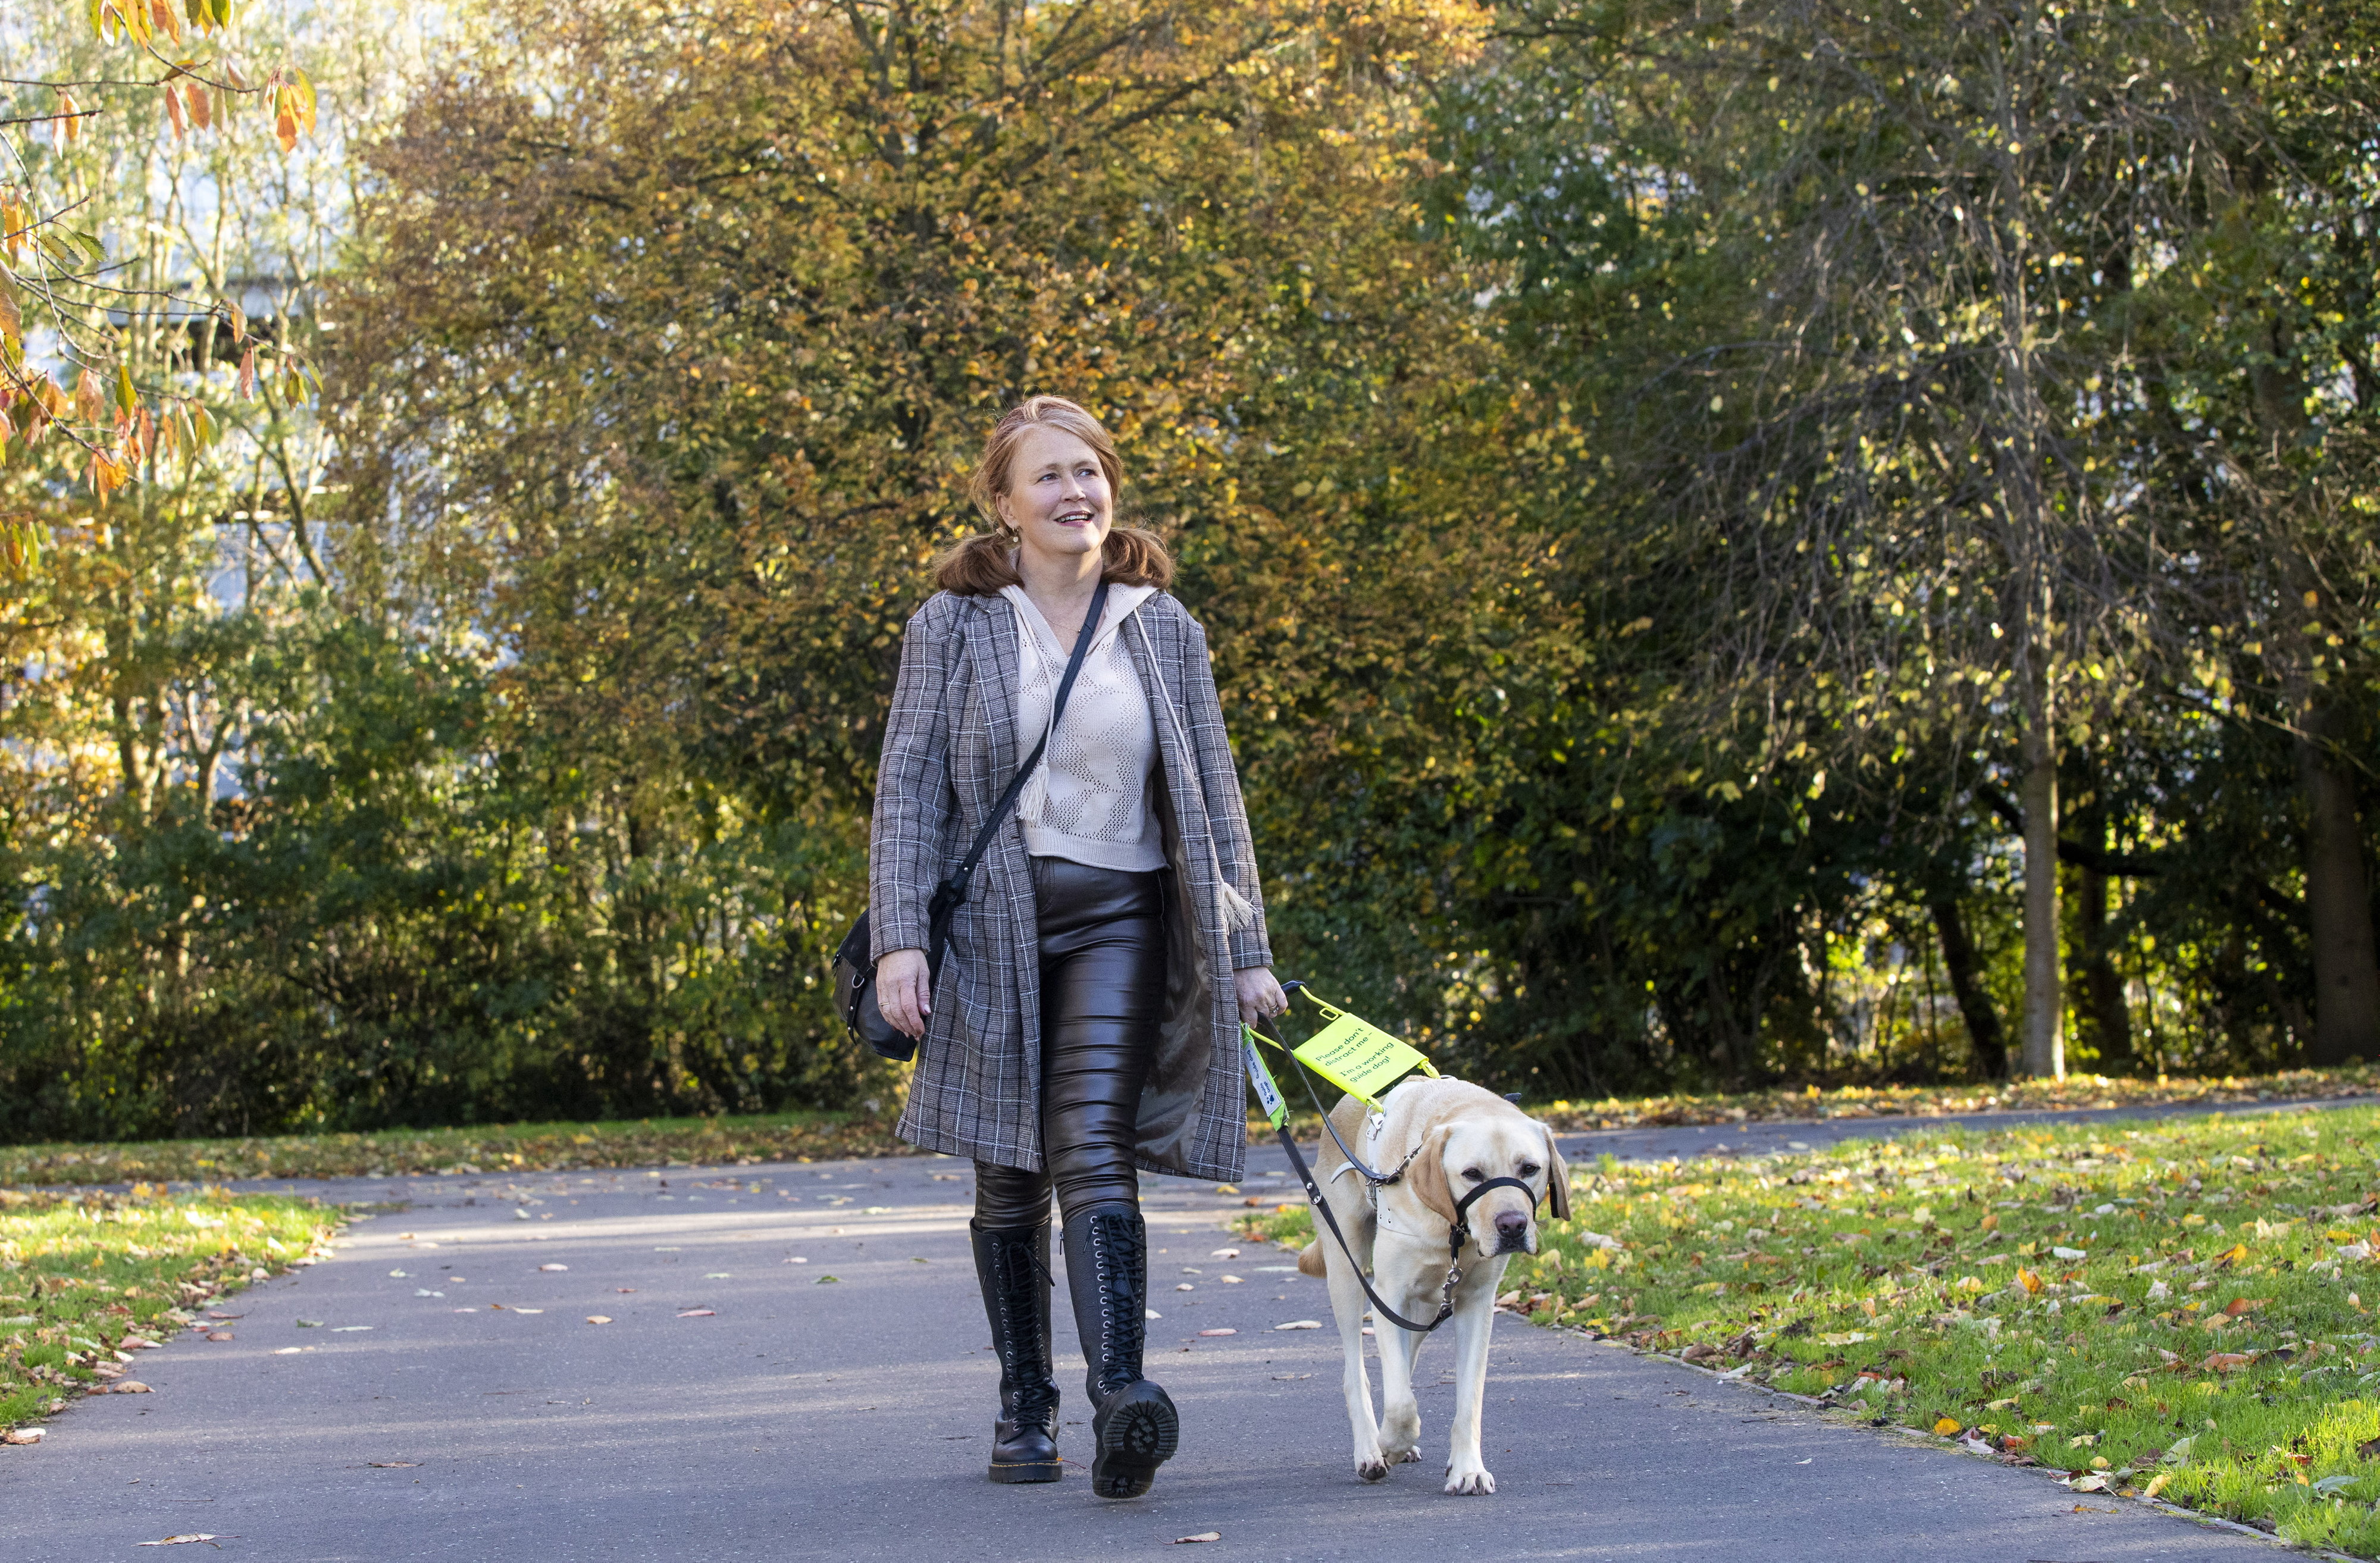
(1033, 1398)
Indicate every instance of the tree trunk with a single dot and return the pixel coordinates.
(2338, 909)
(1967, 985)
(2107, 1018)
(2045, 1042)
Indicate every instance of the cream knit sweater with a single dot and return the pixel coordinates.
(1088, 801)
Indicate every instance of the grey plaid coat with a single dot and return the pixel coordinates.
(950, 747)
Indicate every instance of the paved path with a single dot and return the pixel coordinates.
(1766, 1139)
(799, 1418)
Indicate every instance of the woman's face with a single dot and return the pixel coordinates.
(1057, 500)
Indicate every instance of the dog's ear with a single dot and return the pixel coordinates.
(1557, 1178)
(1428, 1173)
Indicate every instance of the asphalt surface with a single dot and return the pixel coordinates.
(1769, 1139)
(740, 1404)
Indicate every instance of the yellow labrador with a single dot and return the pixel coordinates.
(1447, 1135)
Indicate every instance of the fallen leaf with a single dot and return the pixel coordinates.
(1223, 1254)
(394, 1464)
(1218, 1332)
(553, 1266)
(2226, 1361)
(23, 1436)
(2097, 1482)
(127, 1387)
(1948, 1427)
(528, 1310)
(826, 1280)
(599, 1318)
(207, 1536)
(624, 1289)
(1300, 1324)
(2239, 1305)
(290, 1350)
(2028, 1281)
(1201, 1536)
(699, 1314)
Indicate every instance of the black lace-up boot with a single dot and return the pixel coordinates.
(1133, 1425)
(1014, 1270)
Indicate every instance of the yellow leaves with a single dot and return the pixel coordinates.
(2029, 1280)
(20, 547)
(68, 127)
(1948, 1427)
(290, 97)
(107, 473)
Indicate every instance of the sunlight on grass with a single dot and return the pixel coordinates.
(2172, 1309)
(86, 1282)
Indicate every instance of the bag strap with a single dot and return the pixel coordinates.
(953, 889)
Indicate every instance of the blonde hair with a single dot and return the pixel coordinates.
(980, 565)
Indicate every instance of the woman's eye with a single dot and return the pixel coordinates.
(1474, 1173)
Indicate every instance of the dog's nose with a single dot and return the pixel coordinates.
(1512, 1232)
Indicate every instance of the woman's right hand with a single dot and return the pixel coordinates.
(903, 992)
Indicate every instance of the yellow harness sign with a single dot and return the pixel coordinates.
(1358, 1056)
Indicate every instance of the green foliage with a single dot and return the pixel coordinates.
(1660, 490)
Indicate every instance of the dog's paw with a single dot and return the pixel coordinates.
(1470, 1483)
(1410, 1456)
(1372, 1470)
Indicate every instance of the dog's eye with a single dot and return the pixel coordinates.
(1474, 1173)
(1530, 1169)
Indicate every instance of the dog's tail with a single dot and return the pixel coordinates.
(1309, 1260)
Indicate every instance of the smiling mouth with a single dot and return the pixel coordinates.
(1074, 518)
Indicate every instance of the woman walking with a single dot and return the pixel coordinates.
(1086, 1023)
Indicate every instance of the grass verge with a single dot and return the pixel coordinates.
(86, 1281)
(490, 1149)
(2171, 1310)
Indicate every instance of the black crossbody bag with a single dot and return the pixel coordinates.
(855, 972)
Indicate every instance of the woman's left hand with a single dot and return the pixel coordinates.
(1260, 993)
